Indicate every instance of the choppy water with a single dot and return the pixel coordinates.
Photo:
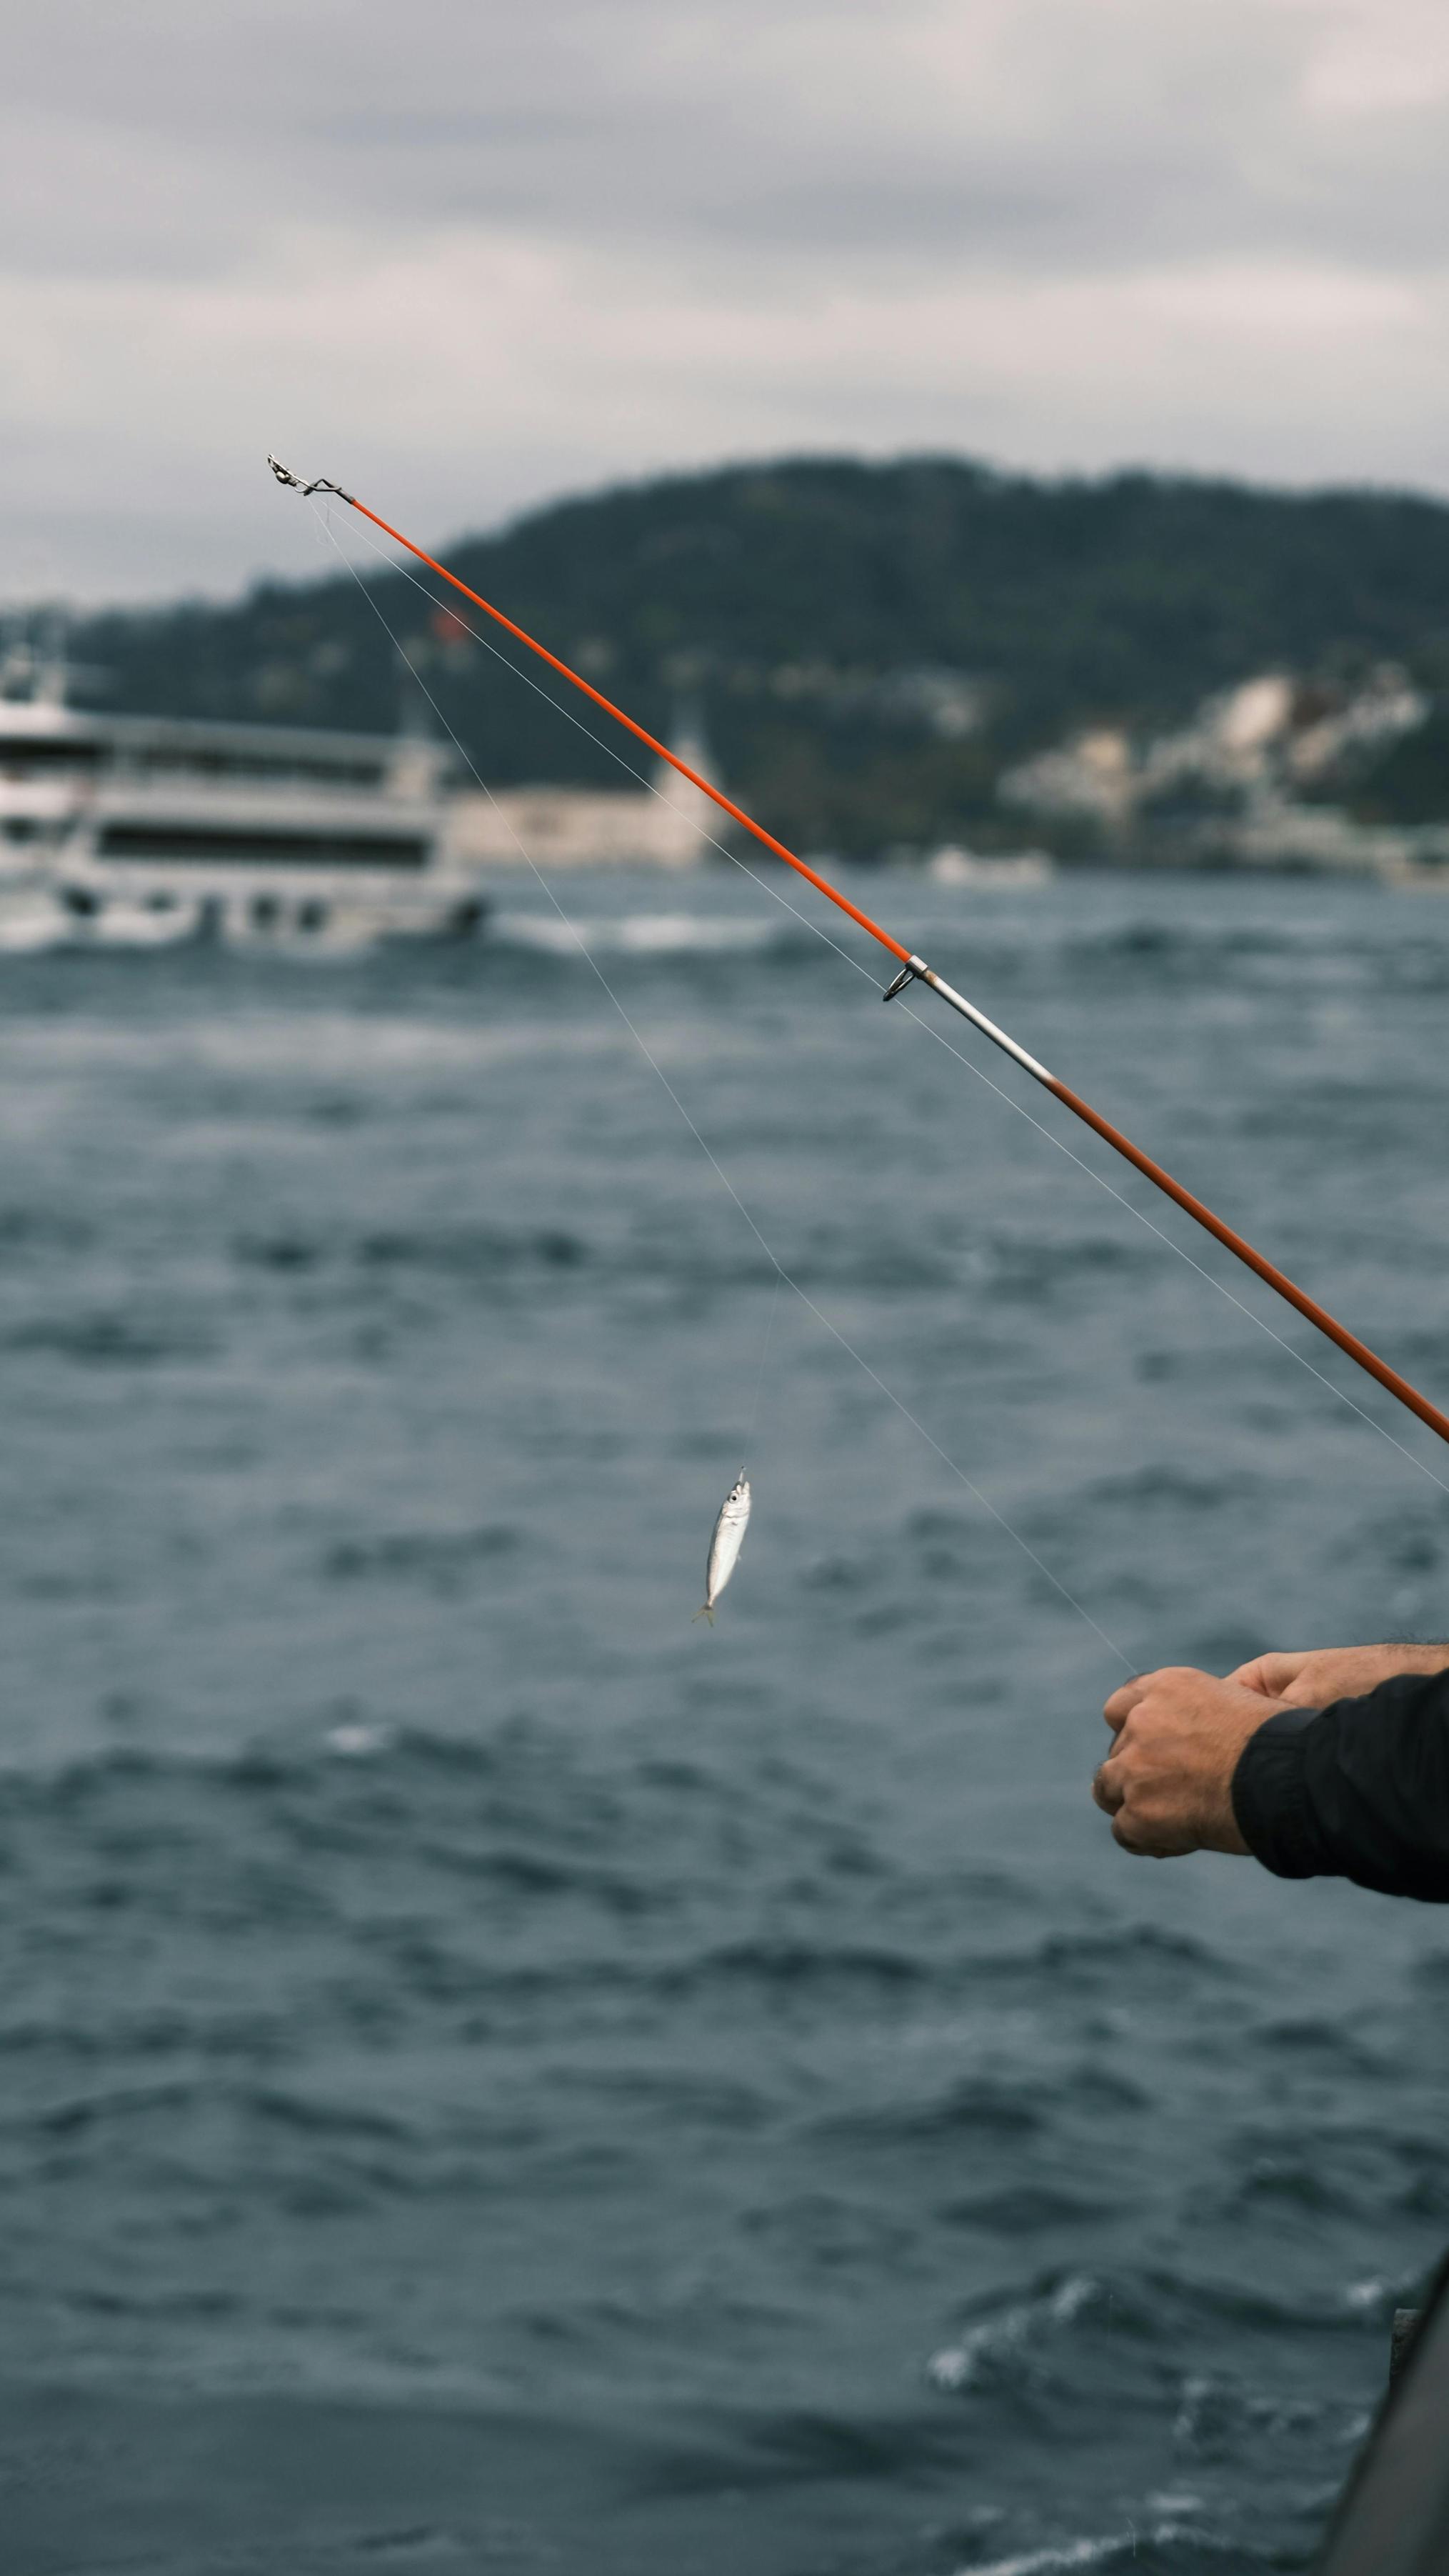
(494, 2075)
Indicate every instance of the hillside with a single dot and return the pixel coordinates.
(869, 645)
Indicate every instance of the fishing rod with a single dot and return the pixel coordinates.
(914, 969)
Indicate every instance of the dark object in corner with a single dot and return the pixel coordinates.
(1393, 2519)
(1402, 2333)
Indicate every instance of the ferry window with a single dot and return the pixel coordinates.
(21, 760)
(248, 846)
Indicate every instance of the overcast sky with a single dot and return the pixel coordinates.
(466, 254)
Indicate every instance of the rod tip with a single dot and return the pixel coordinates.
(284, 474)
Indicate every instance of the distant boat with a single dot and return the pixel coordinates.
(140, 830)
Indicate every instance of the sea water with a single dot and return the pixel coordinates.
(492, 2074)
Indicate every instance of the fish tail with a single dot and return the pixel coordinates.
(705, 1611)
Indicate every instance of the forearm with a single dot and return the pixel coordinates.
(1312, 1677)
(1406, 1657)
(1358, 1789)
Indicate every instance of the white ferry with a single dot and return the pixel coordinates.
(139, 830)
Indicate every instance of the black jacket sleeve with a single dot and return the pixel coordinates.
(1358, 1790)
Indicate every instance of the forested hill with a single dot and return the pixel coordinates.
(868, 645)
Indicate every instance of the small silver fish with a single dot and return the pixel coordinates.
(725, 1545)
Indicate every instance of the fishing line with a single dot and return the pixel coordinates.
(760, 1372)
(911, 968)
(782, 1275)
(1263, 1326)
(939, 1035)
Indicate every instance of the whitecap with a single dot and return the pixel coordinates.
(1110, 2550)
(1005, 2338)
(356, 1742)
(1070, 2553)
(639, 934)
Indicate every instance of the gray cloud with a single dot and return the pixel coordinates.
(480, 251)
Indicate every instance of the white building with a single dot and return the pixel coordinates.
(1239, 766)
(665, 825)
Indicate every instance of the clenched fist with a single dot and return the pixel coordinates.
(1167, 1783)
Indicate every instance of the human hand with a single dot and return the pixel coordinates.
(1314, 1679)
(1167, 1783)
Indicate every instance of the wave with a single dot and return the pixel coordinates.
(1154, 956)
(110, 1339)
(799, 1966)
(652, 1255)
(439, 1558)
(971, 2107)
(1106, 2552)
(1138, 1958)
(463, 1251)
(1166, 2545)
(1019, 2340)
(1025, 2209)
(644, 934)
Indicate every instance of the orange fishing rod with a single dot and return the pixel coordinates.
(913, 968)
